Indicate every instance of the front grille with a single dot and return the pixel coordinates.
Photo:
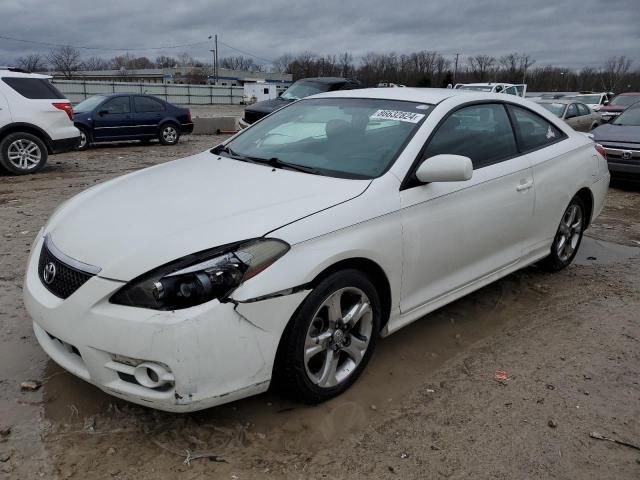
(621, 153)
(66, 278)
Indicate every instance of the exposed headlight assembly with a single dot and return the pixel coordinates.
(201, 277)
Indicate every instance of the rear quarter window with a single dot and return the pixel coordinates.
(533, 131)
(34, 88)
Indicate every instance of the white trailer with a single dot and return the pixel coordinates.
(259, 91)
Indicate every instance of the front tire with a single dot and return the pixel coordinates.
(22, 153)
(331, 338)
(568, 237)
(85, 140)
(169, 134)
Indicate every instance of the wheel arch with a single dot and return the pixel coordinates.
(21, 127)
(373, 271)
(586, 196)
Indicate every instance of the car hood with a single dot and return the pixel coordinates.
(268, 106)
(140, 221)
(616, 133)
(613, 108)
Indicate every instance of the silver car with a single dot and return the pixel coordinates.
(576, 114)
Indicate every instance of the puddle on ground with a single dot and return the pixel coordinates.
(601, 252)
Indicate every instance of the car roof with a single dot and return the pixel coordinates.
(628, 93)
(419, 95)
(325, 80)
(17, 73)
(558, 100)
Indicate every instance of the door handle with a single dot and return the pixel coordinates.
(524, 186)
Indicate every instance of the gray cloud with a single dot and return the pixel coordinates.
(571, 33)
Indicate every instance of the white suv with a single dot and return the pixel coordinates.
(35, 121)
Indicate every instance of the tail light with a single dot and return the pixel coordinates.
(600, 149)
(188, 116)
(66, 106)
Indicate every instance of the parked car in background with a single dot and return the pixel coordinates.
(35, 121)
(123, 116)
(576, 114)
(618, 104)
(595, 101)
(621, 140)
(519, 90)
(300, 89)
(283, 254)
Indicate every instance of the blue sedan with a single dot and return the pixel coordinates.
(119, 117)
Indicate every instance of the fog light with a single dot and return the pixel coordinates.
(152, 375)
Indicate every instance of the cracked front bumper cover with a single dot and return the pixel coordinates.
(216, 352)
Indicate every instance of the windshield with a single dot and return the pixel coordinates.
(302, 89)
(625, 100)
(477, 88)
(592, 99)
(556, 108)
(339, 137)
(630, 117)
(89, 104)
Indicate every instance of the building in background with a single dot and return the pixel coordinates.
(181, 75)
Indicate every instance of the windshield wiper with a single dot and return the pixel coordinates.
(273, 162)
(277, 163)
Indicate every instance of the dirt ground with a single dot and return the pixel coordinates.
(428, 405)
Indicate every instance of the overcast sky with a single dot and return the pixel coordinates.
(572, 33)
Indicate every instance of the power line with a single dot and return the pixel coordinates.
(83, 47)
(245, 52)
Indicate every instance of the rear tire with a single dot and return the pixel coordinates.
(568, 237)
(169, 134)
(330, 339)
(22, 153)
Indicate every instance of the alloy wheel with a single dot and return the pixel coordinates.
(338, 337)
(24, 154)
(569, 232)
(169, 134)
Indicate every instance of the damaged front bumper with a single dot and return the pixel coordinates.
(176, 361)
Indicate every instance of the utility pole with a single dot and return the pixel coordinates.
(216, 59)
(213, 63)
(455, 70)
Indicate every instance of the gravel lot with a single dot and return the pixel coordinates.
(428, 405)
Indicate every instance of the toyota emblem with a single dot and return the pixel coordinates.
(49, 273)
(627, 154)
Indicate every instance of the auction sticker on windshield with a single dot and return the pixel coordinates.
(397, 115)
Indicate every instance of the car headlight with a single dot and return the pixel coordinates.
(201, 277)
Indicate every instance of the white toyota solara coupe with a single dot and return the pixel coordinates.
(283, 254)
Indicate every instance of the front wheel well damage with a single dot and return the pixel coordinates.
(373, 271)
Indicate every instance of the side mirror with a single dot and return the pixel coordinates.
(103, 112)
(606, 102)
(445, 168)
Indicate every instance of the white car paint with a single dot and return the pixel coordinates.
(16, 109)
(434, 243)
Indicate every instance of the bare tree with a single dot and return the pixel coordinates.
(614, 70)
(198, 75)
(238, 63)
(65, 59)
(346, 64)
(33, 62)
(95, 63)
(282, 63)
(163, 61)
(481, 64)
(185, 60)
